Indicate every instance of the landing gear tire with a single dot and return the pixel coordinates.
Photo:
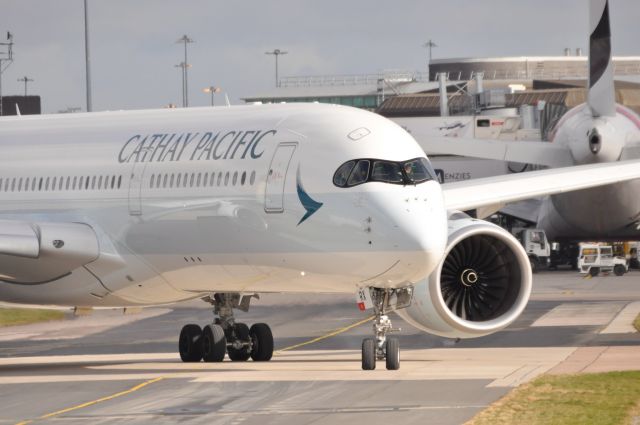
(368, 354)
(393, 353)
(261, 342)
(619, 270)
(214, 343)
(594, 271)
(190, 343)
(236, 352)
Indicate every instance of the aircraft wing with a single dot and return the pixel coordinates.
(485, 192)
(542, 153)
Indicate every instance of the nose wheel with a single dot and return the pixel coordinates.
(225, 337)
(382, 347)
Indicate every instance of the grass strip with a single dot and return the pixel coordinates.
(25, 316)
(594, 398)
(636, 323)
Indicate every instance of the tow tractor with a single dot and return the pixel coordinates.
(594, 259)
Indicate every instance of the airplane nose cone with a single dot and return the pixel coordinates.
(416, 234)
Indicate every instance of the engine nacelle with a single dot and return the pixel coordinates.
(482, 285)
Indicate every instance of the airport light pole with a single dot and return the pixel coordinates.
(86, 57)
(276, 53)
(185, 65)
(429, 45)
(213, 90)
(7, 62)
(25, 80)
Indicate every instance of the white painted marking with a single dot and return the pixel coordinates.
(623, 322)
(503, 366)
(580, 314)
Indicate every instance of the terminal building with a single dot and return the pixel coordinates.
(507, 82)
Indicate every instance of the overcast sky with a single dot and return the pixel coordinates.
(133, 49)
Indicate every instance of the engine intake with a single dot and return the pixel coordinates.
(482, 285)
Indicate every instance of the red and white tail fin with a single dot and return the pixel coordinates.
(602, 99)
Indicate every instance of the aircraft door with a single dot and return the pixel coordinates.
(276, 177)
(135, 188)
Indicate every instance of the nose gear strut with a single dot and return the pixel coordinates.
(384, 301)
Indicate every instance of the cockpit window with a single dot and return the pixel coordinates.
(342, 175)
(385, 171)
(359, 171)
(419, 170)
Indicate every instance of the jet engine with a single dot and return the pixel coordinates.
(481, 286)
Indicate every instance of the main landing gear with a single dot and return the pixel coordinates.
(225, 335)
(381, 347)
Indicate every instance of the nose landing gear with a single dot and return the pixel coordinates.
(226, 336)
(381, 347)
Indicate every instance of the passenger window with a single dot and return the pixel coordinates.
(235, 178)
(199, 179)
(179, 179)
(60, 182)
(341, 176)
(68, 183)
(191, 180)
(93, 182)
(153, 178)
(53, 183)
(20, 185)
(185, 179)
(33, 184)
(171, 181)
(359, 173)
(219, 177)
(243, 178)
(252, 179)
(113, 182)
(46, 185)
(119, 181)
(26, 184)
(226, 179)
(165, 179)
(212, 179)
(86, 183)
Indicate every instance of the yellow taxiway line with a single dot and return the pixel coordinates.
(160, 378)
(91, 403)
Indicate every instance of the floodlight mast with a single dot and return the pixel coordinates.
(185, 65)
(213, 90)
(429, 45)
(25, 80)
(276, 53)
(5, 62)
(86, 58)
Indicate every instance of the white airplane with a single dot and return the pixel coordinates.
(149, 207)
(600, 131)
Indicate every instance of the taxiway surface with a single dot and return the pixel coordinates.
(111, 368)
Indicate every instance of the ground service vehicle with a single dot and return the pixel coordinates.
(535, 243)
(594, 259)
